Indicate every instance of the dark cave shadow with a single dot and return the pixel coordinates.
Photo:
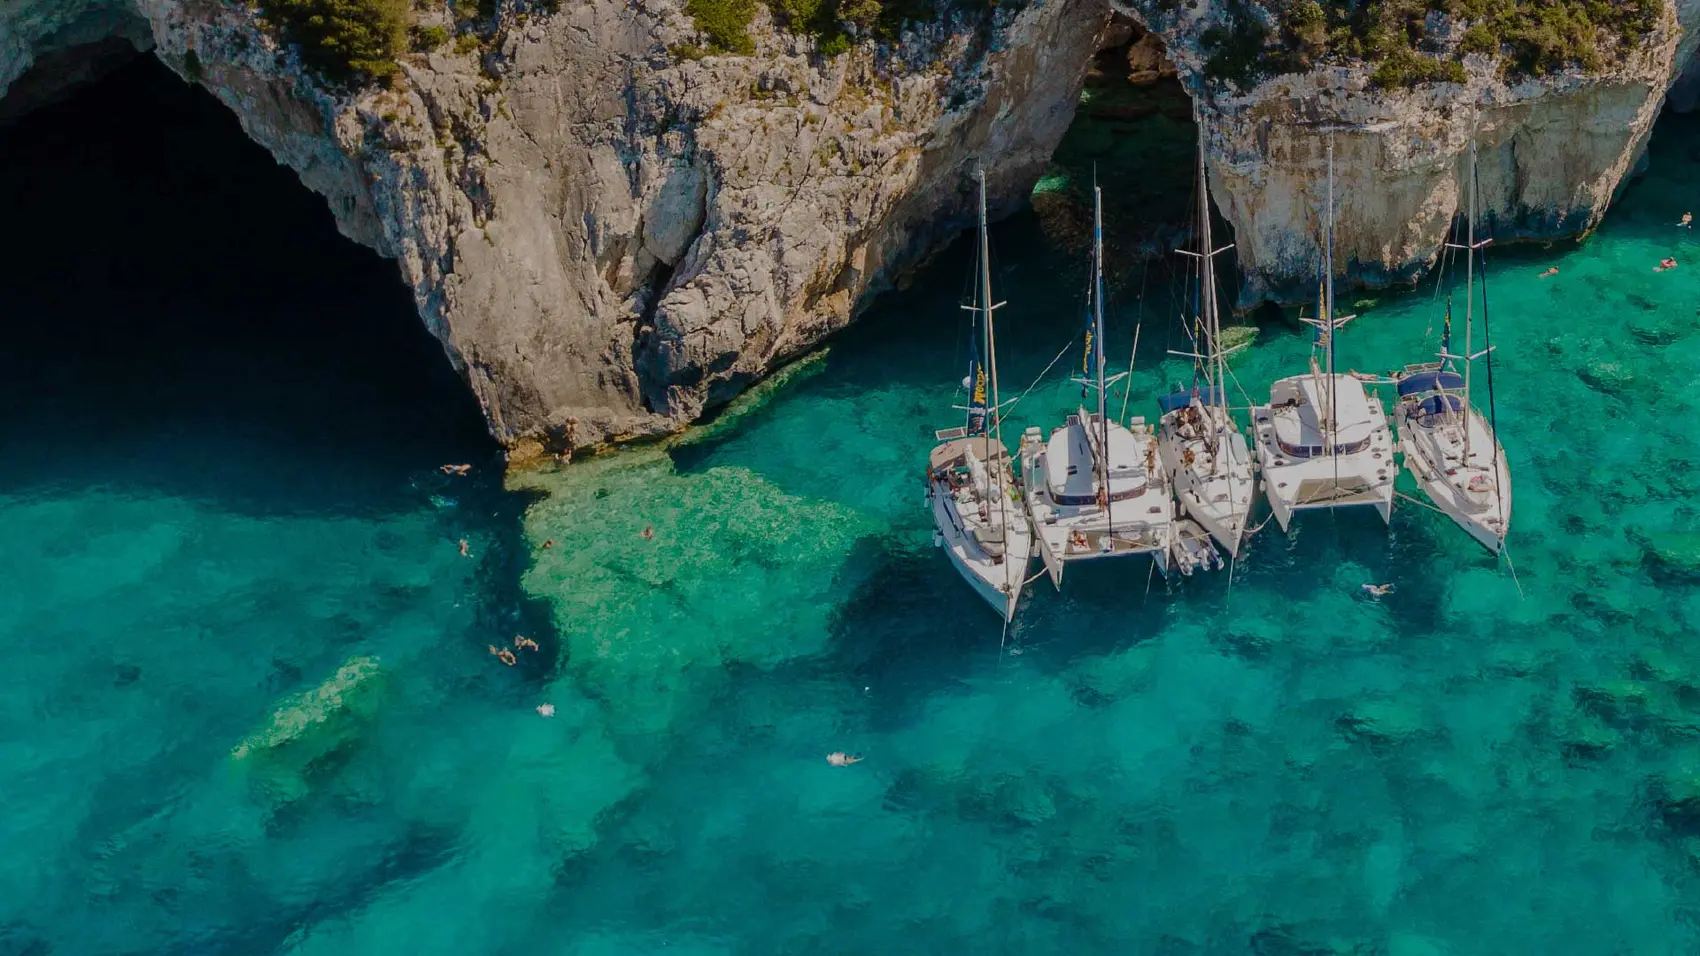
(184, 316)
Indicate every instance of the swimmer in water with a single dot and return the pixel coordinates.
(548, 544)
(839, 758)
(648, 532)
(520, 640)
(504, 655)
(1668, 262)
(454, 469)
(463, 549)
(1550, 272)
(1378, 590)
(1687, 220)
(546, 710)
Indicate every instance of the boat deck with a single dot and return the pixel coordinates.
(1081, 545)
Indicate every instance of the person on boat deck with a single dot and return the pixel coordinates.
(1078, 539)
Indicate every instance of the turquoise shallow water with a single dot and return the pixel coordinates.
(246, 704)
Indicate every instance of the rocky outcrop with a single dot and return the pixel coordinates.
(609, 237)
(1552, 154)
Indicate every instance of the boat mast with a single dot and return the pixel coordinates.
(1328, 304)
(1216, 374)
(994, 465)
(1469, 293)
(1098, 347)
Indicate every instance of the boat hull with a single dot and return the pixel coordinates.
(1486, 518)
(1068, 535)
(1219, 500)
(998, 582)
(1359, 479)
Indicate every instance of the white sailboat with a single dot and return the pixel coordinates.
(1096, 489)
(1323, 441)
(1449, 447)
(970, 484)
(1200, 443)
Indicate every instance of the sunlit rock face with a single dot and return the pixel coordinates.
(610, 239)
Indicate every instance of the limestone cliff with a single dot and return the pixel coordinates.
(609, 237)
(1552, 154)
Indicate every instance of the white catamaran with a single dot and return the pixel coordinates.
(1096, 489)
(970, 484)
(1200, 443)
(1323, 441)
(1449, 447)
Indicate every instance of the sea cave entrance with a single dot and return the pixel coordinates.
(1133, 132)
(166, 280)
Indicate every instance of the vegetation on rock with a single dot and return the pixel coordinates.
(832, 23)
(430, 38)
(1423, 41)
(345, 41)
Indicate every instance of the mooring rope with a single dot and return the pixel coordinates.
(1513, 569)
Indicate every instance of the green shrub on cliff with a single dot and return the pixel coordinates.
(1531, 37)
(726, 23)
(344, 41)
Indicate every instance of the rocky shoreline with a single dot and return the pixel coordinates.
(610, 238)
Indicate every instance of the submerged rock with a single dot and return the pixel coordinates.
(299, 714)
(1382, 721)
(1672, 553)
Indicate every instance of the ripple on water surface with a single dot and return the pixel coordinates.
(247, 704)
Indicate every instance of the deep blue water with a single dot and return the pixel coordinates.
(246, 702)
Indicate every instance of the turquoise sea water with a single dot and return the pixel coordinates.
(246, 704)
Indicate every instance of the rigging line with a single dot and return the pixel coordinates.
(1417, 501)
(1139, 326)
(998, 462)
(1067, 347)
(1493, 415)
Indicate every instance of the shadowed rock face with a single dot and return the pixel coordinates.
(609, 240)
